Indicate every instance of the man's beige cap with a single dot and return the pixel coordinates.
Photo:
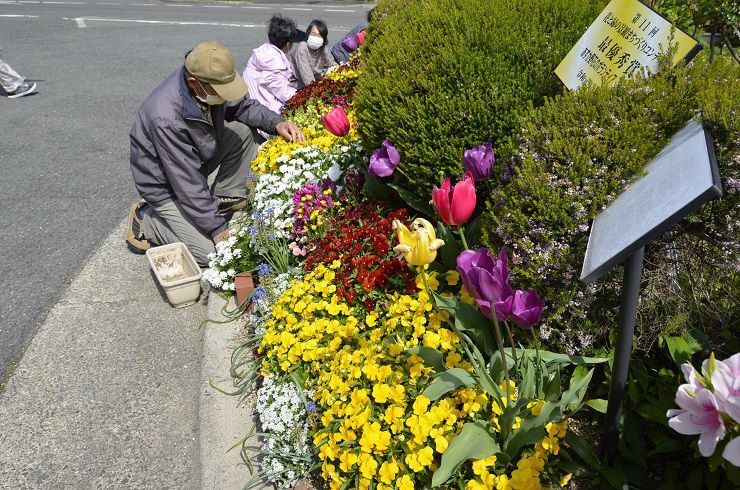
(212, 63)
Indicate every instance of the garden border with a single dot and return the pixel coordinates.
(221, 419)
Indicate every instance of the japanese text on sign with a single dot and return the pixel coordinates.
(626, 38)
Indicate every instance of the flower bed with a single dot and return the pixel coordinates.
(387, 351)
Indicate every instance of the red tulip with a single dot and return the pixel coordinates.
(336, 121)
(360, 37)
(455, 204)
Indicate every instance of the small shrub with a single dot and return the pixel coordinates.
(573, 156)
(445, 75)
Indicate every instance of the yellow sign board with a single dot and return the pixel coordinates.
(625, 38)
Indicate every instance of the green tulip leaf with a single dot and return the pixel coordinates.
(528, 385)
(473, 231)
(414, 201)
(451, 249)
(532, 430)
(597, 404)
(432, 357)
(552, 384)
(376, 189)
(582, 449)
(680, 350)
(470, 321)
(474, 441)
(447, 381)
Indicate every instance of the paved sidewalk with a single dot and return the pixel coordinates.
(106, 396)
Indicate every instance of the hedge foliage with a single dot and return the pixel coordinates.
(441, 76)
(573, 156)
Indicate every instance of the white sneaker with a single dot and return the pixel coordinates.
(24, 88)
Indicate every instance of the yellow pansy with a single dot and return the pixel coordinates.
(388, 472)
(431, 281)
(405, 483)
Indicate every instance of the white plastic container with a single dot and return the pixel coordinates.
(177, 273)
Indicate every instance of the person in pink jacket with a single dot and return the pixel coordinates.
(269, 74)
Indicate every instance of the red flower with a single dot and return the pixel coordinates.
(359, 239)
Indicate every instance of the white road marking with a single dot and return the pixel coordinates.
(254, 7)
(107, 3)
(28, 1)
(177, 5)
(67, 3)
(82, 22)
(29, 16)
(339, 10)
(295, 8)
(142, 4)
(216, 6)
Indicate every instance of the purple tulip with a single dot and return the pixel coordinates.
(479, 161)
(384, 160)
(526, 309)
(484, 277)
(349, 44)
(502, 307)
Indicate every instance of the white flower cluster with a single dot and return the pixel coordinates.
(274, 191)
(220, 273)
(288, 452)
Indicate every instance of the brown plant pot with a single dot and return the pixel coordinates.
(244, 284)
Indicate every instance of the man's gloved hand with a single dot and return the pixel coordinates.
(290, 131)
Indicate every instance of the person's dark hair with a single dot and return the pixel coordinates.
(321, 26)
(281, 30)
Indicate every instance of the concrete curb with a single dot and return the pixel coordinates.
(223, 420)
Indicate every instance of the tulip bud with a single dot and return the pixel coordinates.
(350, 44)
(384, 160)
(455, 204)
(360, 36)
(479, 161)
(526, 310)
(336, 122)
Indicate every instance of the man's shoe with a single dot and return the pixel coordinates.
(135, 230)
(24, 88)
(229, 205)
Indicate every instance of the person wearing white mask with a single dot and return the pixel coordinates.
(311, 59)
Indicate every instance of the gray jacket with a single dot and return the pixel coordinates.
(171, 140)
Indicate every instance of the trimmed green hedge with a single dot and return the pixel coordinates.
(573, 156)
(440, 76)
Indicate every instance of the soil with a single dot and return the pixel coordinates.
(172, 267)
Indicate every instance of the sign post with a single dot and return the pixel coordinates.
(626, 37)
(676, 182)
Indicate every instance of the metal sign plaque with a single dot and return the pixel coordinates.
(676, 182)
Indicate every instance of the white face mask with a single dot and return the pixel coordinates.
(315, 42)
(210, 99)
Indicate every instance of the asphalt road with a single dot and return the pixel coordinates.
(64, 173)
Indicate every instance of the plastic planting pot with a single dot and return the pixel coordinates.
(177, 273)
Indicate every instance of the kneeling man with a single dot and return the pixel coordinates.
(197, 122)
